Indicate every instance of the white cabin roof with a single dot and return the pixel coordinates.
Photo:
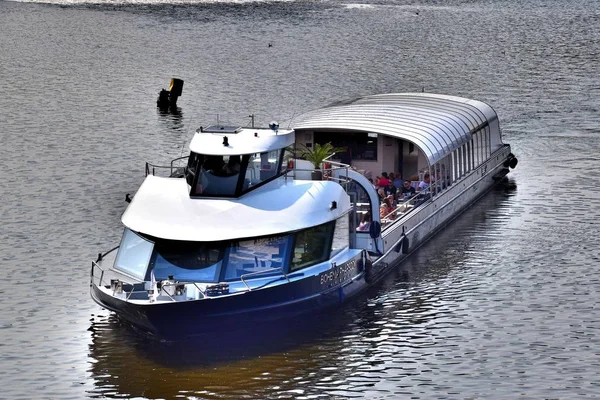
(240, 141)
(162, 208)
(437, 124)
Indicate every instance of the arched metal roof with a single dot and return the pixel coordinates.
(437, 124)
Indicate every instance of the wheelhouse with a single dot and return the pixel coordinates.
(219, 164)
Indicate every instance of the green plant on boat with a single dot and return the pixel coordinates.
(319, 153)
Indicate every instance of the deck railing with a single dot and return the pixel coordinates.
(128, 293)
(175, 170)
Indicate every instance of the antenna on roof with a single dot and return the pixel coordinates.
(291, 119)
(251, 116)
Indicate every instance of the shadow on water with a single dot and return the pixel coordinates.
(396, 315)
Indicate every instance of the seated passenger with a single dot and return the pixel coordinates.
(365, 222)
(424, 184)
(390, 189)
(383, 180)
(397, 180)
(386, 208)
(381, 194)
(407, 191)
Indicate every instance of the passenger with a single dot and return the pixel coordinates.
(397, 180)
(424, 184)
(390, 189)
(381, 194)
(386, 208)
(407, 190)
(383, 181)
(365, 222)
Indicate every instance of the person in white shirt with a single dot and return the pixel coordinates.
(424, 184)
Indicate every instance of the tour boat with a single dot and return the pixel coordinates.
(241, 232)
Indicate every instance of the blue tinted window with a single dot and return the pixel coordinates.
(134, 254)
(256, 257)
(188, 261)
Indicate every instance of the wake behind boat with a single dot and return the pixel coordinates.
(241, 231)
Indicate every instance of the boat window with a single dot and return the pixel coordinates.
(192, 166)
(215, 176)
(312, 246)
(133, 255)
(359, 194)
(263, 166)
(361, 202)
(358, 145)
(187, 261)
(231, 175)
(256, 257)
(341, 235)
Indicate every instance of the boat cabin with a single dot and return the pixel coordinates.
(411, 134)
(227, 161)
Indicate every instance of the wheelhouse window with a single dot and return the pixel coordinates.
(210, 175)
(231, 175)
(134, 254)
(358, 145)
(312, 246)
(263, 167)
(188, 261)
(257, 257)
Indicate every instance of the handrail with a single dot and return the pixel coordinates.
(404, 204)
(151, 168)
(101, 281)
(262, 272)
(95, 265)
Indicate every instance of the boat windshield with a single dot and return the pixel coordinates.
(134, 254)
(232, 175)
(193, 261)
(228, 260)
(187, 261)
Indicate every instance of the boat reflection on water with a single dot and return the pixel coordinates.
(128, 362)
(412, 316)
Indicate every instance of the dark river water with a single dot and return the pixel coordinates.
(502, 304)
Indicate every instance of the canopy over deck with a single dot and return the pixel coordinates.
(437, 124)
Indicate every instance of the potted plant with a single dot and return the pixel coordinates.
(317, 154)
